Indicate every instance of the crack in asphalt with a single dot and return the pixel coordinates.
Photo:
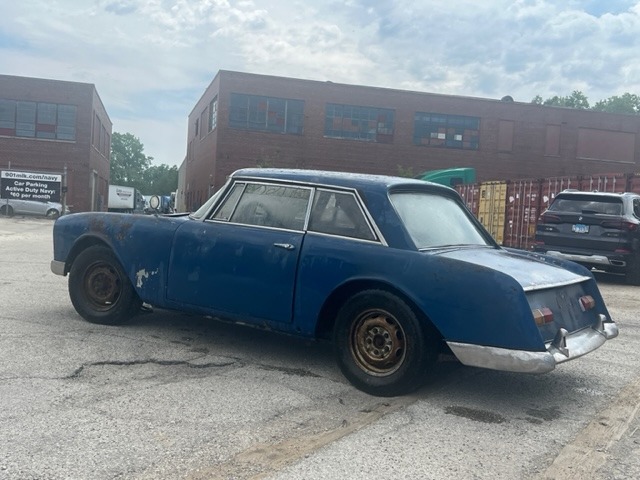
(117, 363)
(300, 372)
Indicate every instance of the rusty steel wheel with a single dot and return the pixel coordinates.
(382, 346)
(102, 285)
(100, 290)
(378, 342)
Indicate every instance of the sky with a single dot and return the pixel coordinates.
(151, 60)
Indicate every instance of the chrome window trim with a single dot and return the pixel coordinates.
(313, 186)
(376, 235)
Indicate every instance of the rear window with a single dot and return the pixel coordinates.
(588, 205)
(436, 221)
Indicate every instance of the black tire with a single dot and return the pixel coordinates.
(381, 345)
(6, 210)
(100, 290)
(633, 269)
(52, 213)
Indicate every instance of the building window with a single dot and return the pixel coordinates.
(66, 128)
(552, 141)
(25, 119)
(203, 118)
(267, 114)
(47, 116)
(448, 131)
(37, 120)
(359, 123)
(7, 117)
(213, 114)
(505, 135)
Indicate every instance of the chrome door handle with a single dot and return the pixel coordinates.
(286, 246)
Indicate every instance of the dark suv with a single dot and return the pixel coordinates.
(600, 230)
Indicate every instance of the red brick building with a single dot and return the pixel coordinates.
(247, 120)
(50, 125)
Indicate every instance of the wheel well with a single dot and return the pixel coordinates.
(79, 247)
(339, 296)
(6, 209)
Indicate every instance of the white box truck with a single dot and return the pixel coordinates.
(125, 199)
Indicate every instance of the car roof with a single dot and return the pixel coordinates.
(339, 179)
(571, 193)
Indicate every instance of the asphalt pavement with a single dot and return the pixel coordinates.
(173, 396)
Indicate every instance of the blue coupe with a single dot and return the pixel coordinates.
(395, 271)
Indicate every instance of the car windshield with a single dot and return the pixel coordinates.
(587, 204)
(435, 221)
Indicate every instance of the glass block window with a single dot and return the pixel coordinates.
(447, 131)
(66, 128)
(46, 124)
(213, 114)
(7, 117)
(267, 114)
(25, 119)
(353, 122)
(37, 120)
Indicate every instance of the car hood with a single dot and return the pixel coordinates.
(530, 271)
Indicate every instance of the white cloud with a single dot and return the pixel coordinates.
(151, 59)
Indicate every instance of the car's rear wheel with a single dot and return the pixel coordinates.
(6, 210)
(100, 290)
(633, 269)
(381, 346)
(53, 213)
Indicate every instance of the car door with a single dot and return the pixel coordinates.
(242, 261)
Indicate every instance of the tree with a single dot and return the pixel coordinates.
(576, 100)
(160, 180)
(625, 103)
(128, 161)
(628, 103)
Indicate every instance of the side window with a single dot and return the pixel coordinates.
(269, 205)
(338, 213)
(229, 204)
(636, 207)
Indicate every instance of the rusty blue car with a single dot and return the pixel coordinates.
(393, 271)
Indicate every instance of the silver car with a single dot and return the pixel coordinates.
(10, 207)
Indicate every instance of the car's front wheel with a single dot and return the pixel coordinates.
(100, 290)
(382, 347)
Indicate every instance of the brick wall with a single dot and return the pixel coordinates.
(80, 157)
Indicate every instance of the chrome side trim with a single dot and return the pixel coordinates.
(565, 347)
(57, 267)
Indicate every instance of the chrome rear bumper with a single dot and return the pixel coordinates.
(564, 347)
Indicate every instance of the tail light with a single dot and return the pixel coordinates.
(549, 218)
(587, 303)
(620, 225)
(542, 316)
